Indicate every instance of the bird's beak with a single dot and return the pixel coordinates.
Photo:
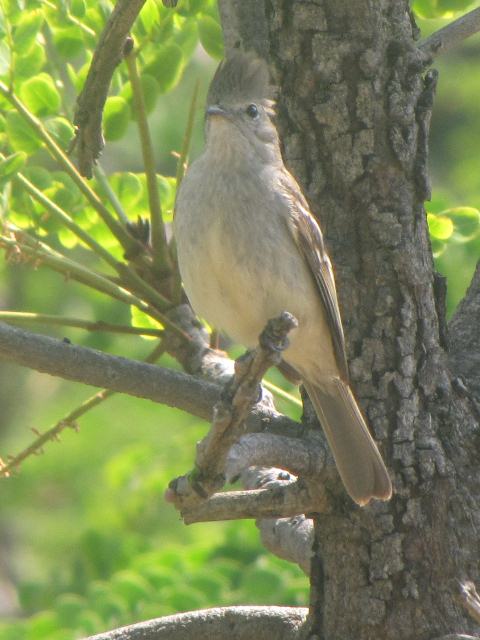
(215, 110)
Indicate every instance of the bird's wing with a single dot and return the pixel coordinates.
(309, 239)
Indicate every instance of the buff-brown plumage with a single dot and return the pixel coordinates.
(249, 248)
(242, 77)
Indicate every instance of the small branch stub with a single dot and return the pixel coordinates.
(228, 425)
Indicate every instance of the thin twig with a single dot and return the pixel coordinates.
(68, 421)
(131, 279)
(452, 35)
(22, 247)
(127, 241)
(110, 193)
(108, 54)
(20, 317)
(161, 256)
(187, 136)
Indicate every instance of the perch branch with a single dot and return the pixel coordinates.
(69, 420)
(288, 538)
(452, 35)
(223, 623)
(98, 369)
(91, 367)
(239, 396)
(108, 54)
(300, 457)
(279, 501)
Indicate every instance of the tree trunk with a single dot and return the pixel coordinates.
(354, 106)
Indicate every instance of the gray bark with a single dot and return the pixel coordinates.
(353, 112)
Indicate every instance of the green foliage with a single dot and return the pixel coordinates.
(440, 8)
(95, 546)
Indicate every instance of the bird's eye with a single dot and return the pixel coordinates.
(252, 111)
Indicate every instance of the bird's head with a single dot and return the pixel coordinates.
(239, 108)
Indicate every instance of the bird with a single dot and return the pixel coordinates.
(249, 248)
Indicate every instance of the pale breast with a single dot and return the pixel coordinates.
(240, 267)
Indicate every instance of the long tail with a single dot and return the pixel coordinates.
(358, 460)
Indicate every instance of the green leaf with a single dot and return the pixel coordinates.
(116, 117)
(40, 95)
(143, 321)
(5, 58)
(150, 91)
(166, 66)
(131, 586)
(69, 42)
(440, 227)
(211, 36)
(78, 8)
(128, 187)
(466, 221)
(39, 176)
(11, 165)
(27, 30)
(187, 38)
(455, 6)
(61, 130)
(21, 135)
(68, 607)
(166, 188)
(149, 16)
(28, 65)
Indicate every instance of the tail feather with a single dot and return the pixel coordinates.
(358, 460)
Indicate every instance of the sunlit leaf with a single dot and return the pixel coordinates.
(440, 227)
(31, 63)
(10, 165)
(211, 36)
(466, 221)
(69, 42)
(20, 135)
(143, 321)
(61, 129)
(27, 29)
(166, 66)
(40, 95)
(116, 117)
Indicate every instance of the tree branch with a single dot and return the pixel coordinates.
(452, 35)
(222, 623)
(228, 425)
(464, 337)
(98, 369)
(91, 367)
(90, 102)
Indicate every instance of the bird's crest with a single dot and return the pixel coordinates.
(241, 77)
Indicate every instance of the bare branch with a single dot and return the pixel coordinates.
(452, 35)
(280, 501)
(230, 413)
(300, 457)
(90, 103)
(222, 623)
(98, 369)
(139, 379)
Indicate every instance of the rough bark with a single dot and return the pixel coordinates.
(354, 107)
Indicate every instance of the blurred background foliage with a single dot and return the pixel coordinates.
(86, 540)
